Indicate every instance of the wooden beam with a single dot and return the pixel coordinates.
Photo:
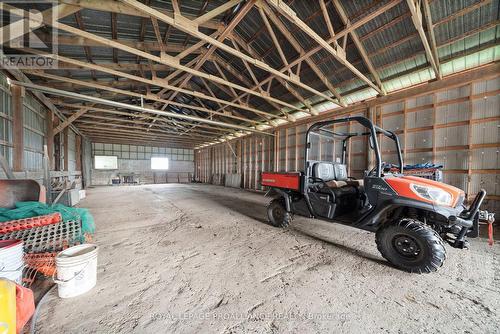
(17, 108)
(66, 148)
(168, 60)
(222, 36)
(248, 48)
(340, 34)
(120, 8)
(140, 130)
(430, 29)
(416, 16)
(154, 82)
(158, 125)
(359, 45)
(216, 11)
(50, 136)
(78, 153)
(144, 46)
(211, 129)
(70, 120)
(112, 128)
(88, 51)
(138, 95)
(114, 35)
(191, 28)
(326, 17)
(273, 36)
(296, 45)
(286, 11)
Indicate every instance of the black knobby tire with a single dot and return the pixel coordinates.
(277, 214)
(411, 245)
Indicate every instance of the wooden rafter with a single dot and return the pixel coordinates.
(134, 94)
(430, 29)
(248, 48)
(88, 51)
(73, 117)
(204, 57)
(416, 16)
(191, 28)
(296, 45)
(287, 12)
(359, 45)
(216, 11)
(154, 82)
(91, 114)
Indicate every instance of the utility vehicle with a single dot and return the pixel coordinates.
(411, 216)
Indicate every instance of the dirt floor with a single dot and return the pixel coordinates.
(202, 259)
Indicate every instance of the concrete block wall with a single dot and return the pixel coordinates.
(137, 159)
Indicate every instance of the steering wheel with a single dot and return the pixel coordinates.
(323, 183)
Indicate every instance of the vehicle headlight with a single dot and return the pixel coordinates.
(439, 196)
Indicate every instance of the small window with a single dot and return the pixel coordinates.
(105, 162)
(159, 163)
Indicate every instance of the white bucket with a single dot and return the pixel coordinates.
(11, 260)
(76, 270)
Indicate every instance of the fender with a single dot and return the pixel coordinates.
(372, 220)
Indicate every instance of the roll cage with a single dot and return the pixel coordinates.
(373, 130)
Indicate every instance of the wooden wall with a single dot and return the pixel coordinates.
(457, 126)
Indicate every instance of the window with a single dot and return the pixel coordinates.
(105, 162)
(159, 163)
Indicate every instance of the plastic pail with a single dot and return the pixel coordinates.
(76, 270)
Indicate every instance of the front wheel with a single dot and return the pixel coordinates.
(277, 214)
(411, 245)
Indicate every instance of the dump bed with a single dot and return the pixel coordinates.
(282, 180)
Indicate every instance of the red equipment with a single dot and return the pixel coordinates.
(281, 180)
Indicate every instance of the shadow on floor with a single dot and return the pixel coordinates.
(335, 243)
(257, 210)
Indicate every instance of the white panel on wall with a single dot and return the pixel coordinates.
(488, 182)
(393, 107)
(486, 86)
(420, 139)
(453, 159)
(358, 145)
(418, 158)
(393, 123)
(419, 101)
(420, 118)
(488, 106)
(454, 112)
(485, 158)
(454, 93)
(456, 180)
(485, 133)
(452, 136)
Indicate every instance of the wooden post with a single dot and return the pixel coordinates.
(50, 137)
(78, 153)
(18, 127)
(66, 148)
(57, 146)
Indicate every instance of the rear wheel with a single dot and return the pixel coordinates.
(277, 214)
(411, 245)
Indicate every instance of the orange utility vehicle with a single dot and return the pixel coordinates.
(411, 216)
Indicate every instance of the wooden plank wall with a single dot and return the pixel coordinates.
(458, 127)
